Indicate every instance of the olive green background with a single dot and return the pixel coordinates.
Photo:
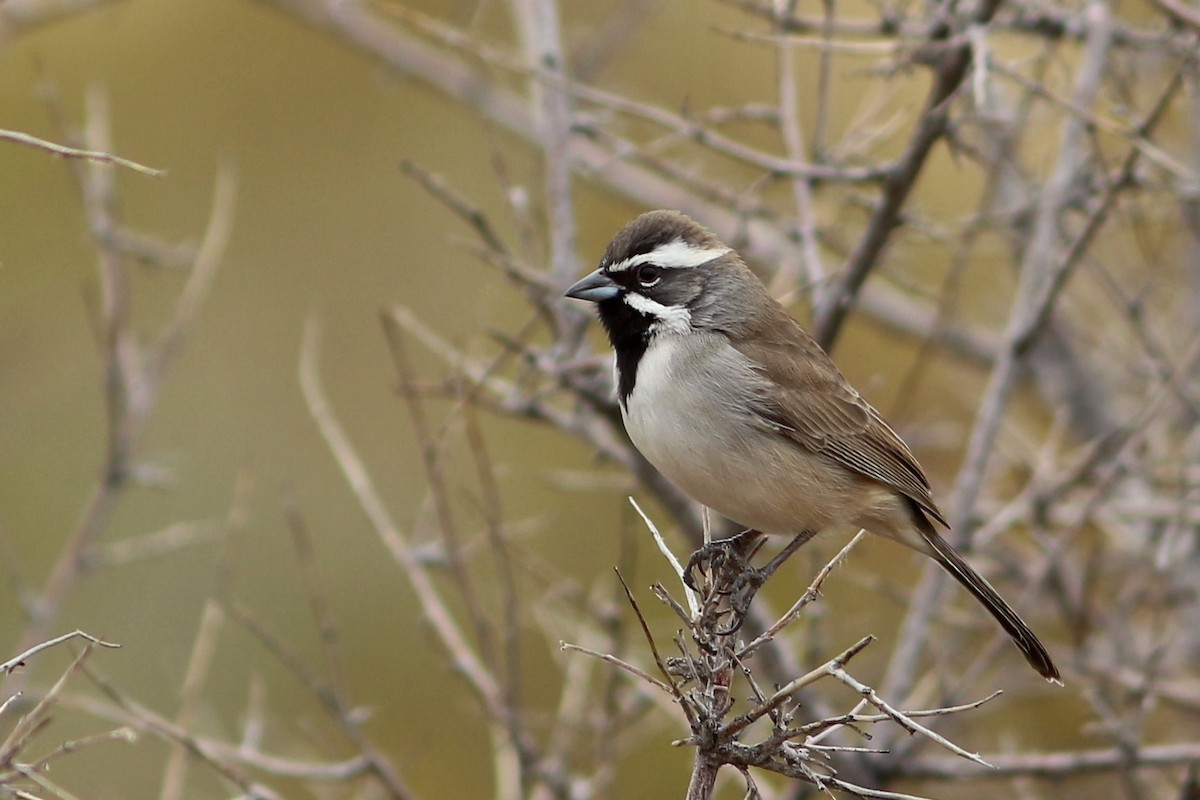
(328, 231)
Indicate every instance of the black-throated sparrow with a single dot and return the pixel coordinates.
(724, 392)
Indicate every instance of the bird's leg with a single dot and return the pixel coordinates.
(799, 540)
(716, 556)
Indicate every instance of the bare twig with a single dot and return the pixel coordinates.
(74, 152)
(541, 35)
(949, 70)
(689, 594)
(19, 660)
(1059, 765)
(133, 377)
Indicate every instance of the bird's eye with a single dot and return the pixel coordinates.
(648, 274)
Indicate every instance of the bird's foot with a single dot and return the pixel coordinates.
(729, 575)
(720, 556)
(728, 581)
(741, 591)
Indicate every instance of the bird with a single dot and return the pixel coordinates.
(727, 396)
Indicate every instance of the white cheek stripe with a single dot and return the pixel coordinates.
(674, 319)
(675, 254)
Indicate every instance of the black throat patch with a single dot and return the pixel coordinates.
(629, 333)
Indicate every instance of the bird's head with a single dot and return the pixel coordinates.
(664, 273)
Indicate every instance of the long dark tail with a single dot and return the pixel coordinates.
(1025, 639)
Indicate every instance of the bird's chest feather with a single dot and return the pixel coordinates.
(687, 412)
(666, 394)
(691, 415)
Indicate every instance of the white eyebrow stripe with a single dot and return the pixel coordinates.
(675, 319)
(675, 254)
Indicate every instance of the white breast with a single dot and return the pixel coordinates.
(690, 415)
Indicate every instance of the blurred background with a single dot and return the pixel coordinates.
(327, 124)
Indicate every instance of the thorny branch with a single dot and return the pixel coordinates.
(18, 768)
(703, 681)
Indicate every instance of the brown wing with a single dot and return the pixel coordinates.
(808, 401)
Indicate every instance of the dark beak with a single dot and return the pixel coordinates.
(594, 288)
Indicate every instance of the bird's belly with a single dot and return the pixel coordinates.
(785, 492)
(711, 447)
